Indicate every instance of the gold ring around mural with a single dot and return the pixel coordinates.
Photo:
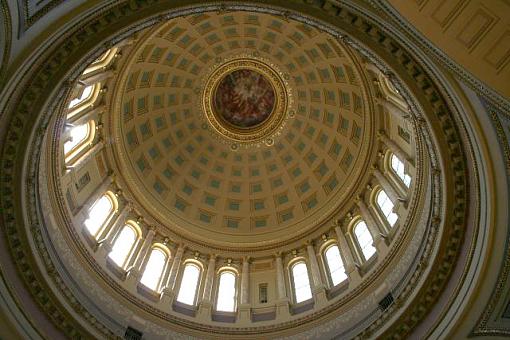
(245, 100)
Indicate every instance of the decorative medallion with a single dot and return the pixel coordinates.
(245, 100)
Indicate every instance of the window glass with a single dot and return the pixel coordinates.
(123, 246)
(386, 206)
(87, 92)
(226, 292)
(189, 284)
(335, 265)
(98, 214)
(79, 134)
(364, 239)
(263, 293)
(154, 269)
(302, 288)
(398, 167)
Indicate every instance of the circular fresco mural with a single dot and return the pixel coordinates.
(244, 98)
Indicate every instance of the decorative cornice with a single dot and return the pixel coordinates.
(7, 31)
(496, 99)
(483, 327)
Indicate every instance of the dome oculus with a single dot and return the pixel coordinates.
(244, 98)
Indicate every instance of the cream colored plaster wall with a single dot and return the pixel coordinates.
(474, 33)
(260, 277)
(80, 188)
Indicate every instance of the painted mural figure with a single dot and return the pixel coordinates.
(244, 98)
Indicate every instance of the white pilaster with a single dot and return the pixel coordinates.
(318, 289)
(244, 306)
(282, 304)
(141, 260)
(205, 307)
(393, 194)
(169, 290)
(374, 227)
(345, 251)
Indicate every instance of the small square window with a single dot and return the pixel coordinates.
(263, 293)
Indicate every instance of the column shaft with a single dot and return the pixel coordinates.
(107, 236)
(375, 228)
(314, 268)
(280, 278)
(142, 257)
(372, 225)
(396, 149)
(345, 251)
(388, 188)
(209, 279)
(245, 282)
(172, 275)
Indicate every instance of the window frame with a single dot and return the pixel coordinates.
(102, 62)
(290, 271)
(221, 272)
(107, 221)
(380, 212)
(395, 176)
(163, 249)
(130, 255)
(74, 111)
(199, 265)
(326, 267)
(359, 250)
(78, 150)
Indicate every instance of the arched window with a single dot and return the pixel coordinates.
(386, 206)
(80, 137)
(189, 284)
(153, 272)
(78, 134)
(302, 290)
(226, 301)
(335, 265)
(86, 94)
(364, 239)
(123, 245)
(85, 100)
(102, 209)
(398, 167)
